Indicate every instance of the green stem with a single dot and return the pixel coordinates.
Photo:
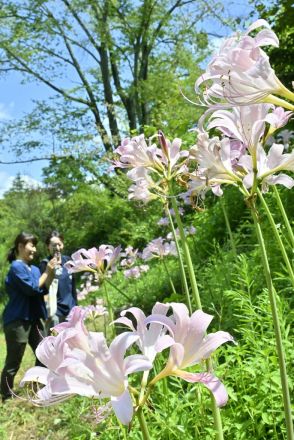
(277, 329)
(110, 310)
(277, 236)
(284, 215)
(143, 424)
(123, 430)
(169, 277)
(229, 227)
(215, 410)
(187, 255)
(279, 102)
(182, 268)
(118, 289)
(143, 386)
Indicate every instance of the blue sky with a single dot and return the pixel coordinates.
(16, 99)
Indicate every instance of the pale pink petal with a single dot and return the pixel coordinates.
(210, 381)
(211, 343)
(136, 362)
(281, 179)
(163, 320)
(163, 342)
(258, 23)
(120, 344)
(176, 356)
(266, 37)
(72, 385)
(125, 321)
(123, 407)
(36, 374)
(45, 398)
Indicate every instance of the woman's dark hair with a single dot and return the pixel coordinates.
(53, 234)
(22, 238)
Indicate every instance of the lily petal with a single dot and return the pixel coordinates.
(123, 407)
(210, 381)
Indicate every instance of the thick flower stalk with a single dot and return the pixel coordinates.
(241, 73)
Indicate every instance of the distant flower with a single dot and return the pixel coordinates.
(144, 267)
(134, 272)
(130, 255)
(93, 311)
(191, 230)
(188, 231)
(87, 287)
(191, 346)
(101, 260)
(159, 248)
(164, 221)
(241, 73)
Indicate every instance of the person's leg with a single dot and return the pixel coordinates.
(61, 318)
(49, 323)
(36, 334)
(16, 336)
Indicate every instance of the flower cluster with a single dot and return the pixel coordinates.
(151, 168)
(159, 248)
(80, 362)
(101, 261)
(241, 73)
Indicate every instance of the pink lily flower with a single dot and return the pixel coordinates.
(159, 248)
(278, 118)
(152, 339)
(245, 124)
(191, 346)
(134, 272)
(94, 371)
(171, 151)
(268, 165)
(216, 159)
(151, 167)
(241, 73)
(136, 153)
(101, 260)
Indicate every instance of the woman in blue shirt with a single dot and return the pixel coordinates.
(26, 309)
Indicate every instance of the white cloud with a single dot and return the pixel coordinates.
(6, 181)
(5, 111)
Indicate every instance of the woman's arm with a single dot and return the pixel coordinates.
(25, 280)
(47, 276)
